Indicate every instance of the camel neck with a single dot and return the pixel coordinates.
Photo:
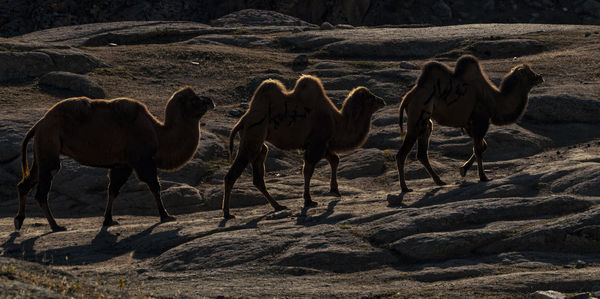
(178, 140)
(351, 131)
(511, 102)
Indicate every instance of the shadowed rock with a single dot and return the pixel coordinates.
(77, 85)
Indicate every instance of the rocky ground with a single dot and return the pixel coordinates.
(535, 226)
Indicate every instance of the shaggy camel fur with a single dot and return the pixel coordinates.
(119, 134)
(465, 98)
(303, 118)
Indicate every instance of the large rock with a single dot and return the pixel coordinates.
(505, 48)
(562, 108)
(77, 85)
(218, 250)
(402, 43)
(19, 66)
(255, 17)
(31, 64)
(18, 17)
(361, 163)
(576, 233)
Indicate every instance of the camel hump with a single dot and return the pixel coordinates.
(270, 85)
(468, 67)
(308, 82)
(310, 88)
(125, 110)
(431, 71)
(78, 109)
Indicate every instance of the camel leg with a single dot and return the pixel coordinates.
(147, 173)
(479, 148)
(407, 145)
(258, 177)
(46, 173)
(117, 178)
(479, 129)
(465, 167)
(422, 154)
(312, 155)
(240, 162)
(23, 188)
(334, 161)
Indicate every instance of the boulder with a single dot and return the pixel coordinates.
(31, 64)
(591, 8)
(562, 108)
(547, 295)
(77, 85)
(326, 26)
(361, 163)
(257, 17)
(505, 48)
(24, 65)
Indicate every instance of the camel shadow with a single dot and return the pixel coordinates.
(104, 246)
(24, 249)
(324, 218)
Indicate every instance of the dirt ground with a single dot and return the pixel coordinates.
(535, 226)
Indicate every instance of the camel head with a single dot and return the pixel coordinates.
(188, 104)
(526, 74)
(361, 100)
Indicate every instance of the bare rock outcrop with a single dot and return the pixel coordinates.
(75, 84)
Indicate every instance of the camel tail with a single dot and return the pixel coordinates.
(234, 131)
(403, 105)
(24, 164)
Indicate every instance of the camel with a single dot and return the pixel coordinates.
(118, 134)
(303, 118)
(466, 99)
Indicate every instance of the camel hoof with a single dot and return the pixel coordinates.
(310, 204)
(440, 183)
(59, 228)
(335, 193)
(463, 172)
(405, 190)
(228, 216)
(109, 223)
(167, 218)
(280, 208)
(18, 223)
(484, 179)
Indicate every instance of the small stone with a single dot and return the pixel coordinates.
(547, 295)
(300, 60)
(580, 264)
(408, 65)
(585, 295)
(112, 44)
(344, 26)
(326, 26)
(394, 199)
(588, 34)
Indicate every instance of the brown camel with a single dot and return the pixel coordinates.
(119, 134)
(303, 118)
(466, 99)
